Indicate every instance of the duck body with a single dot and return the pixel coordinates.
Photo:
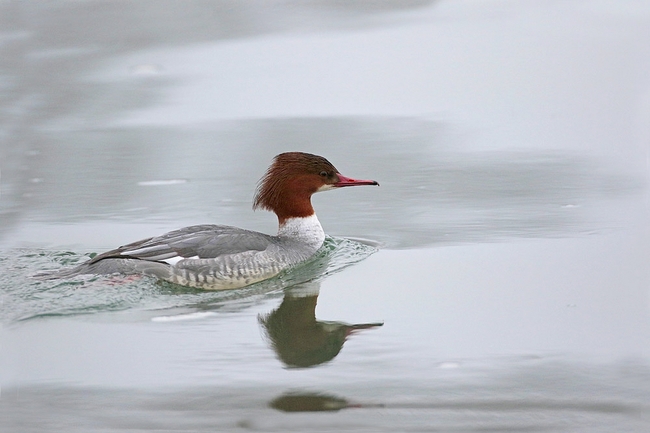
(214, 257)
(219, 257)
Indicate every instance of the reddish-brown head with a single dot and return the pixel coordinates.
(290, 181)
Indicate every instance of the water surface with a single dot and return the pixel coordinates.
(497, 280)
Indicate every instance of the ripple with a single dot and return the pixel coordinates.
(162, 182)
(25, 298)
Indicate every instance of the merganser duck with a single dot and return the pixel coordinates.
(218, 257)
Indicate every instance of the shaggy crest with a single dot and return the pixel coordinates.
(289, 180)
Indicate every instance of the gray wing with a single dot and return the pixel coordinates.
(202, 241)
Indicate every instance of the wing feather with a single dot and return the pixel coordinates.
(201, 241)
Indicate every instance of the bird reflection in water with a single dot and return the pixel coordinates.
(298, 339)
(310, 402)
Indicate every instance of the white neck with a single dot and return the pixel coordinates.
(303, 229)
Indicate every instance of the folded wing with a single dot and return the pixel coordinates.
(201, 241)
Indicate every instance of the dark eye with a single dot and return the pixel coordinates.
(324, 173)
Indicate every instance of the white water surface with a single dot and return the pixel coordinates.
(499, 279)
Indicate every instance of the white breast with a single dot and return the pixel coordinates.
(306, 230)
